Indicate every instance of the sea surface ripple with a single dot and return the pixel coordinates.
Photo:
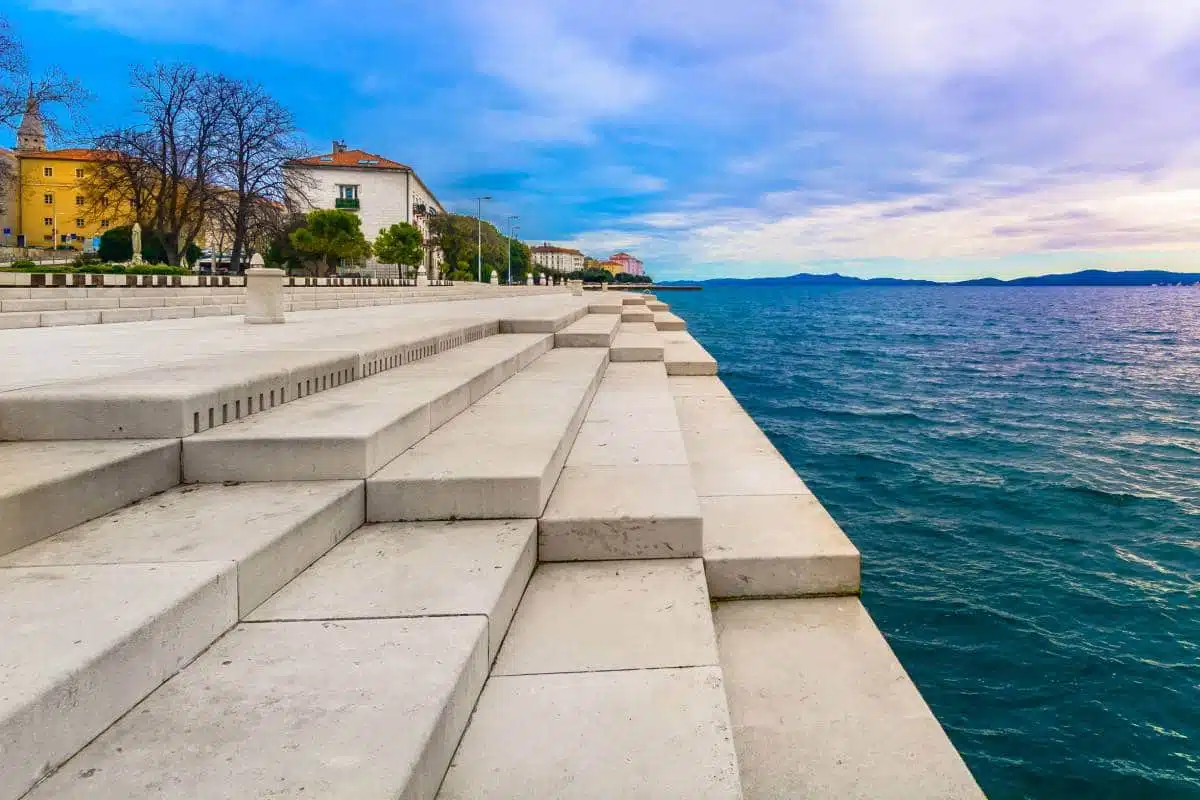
(1020, 468)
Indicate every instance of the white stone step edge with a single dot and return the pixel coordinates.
(307, 455)
(472, 496)
(44, 729)
(92, 409)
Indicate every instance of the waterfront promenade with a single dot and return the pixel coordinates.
(524, 544)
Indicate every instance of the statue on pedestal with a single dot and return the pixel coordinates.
(136, 237)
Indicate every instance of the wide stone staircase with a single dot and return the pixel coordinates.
(53, 306)
(476, 563)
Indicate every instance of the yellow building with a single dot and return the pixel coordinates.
(612, 267)
(52, 210)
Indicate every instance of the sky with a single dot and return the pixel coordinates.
(937, 139)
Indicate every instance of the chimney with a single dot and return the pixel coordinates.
(339, 146)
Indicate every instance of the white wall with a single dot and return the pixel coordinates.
(385, 197)
(559, 262)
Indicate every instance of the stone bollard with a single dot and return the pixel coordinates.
(495, 281)
(529, 279)
(577, 288)
(604, 286)
(264, 294)
(422, 276)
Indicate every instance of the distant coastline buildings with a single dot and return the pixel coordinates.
(557, 259)
(566, 259)
(629, 265)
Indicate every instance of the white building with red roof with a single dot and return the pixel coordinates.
(557, 259)
(380, 191)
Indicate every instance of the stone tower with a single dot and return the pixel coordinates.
(32, 134)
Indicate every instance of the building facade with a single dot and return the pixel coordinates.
(629, 264)
(380, 191)
(557, 259)
(50, 209)
(10, 198)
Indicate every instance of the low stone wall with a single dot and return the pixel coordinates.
(36, 280)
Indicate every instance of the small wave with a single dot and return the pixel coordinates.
(883, 415)
(1116, 499)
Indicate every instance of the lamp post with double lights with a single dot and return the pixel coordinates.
(479, 234)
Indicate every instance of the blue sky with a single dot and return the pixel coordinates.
(914, 138)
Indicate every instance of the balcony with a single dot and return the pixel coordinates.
(348, 203)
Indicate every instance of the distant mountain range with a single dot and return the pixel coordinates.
(1087, 277)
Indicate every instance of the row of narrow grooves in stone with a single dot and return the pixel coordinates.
(334, 379)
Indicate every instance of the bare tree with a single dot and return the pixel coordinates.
(258, 137)
(165, 169)
(19, 90)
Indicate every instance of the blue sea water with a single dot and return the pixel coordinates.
(1020, 468)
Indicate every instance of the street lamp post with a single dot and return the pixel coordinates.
(511, 219)
(479, 234)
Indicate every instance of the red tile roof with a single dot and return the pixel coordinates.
(549, 248)
(69, 154)
(358, 159)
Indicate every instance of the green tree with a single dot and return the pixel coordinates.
(400, 244)
(280, 252)
(330, 233)
(116, 245)
(456, 235)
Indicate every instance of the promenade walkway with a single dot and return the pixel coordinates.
(514, 547)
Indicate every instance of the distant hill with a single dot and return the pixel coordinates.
(805, 278)
(1087, 277)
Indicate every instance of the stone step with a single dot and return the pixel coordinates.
(765, 534)
(637, 341)
(657, 306)
(637, 314)
(354, 430)
(634, 299)
(547, 321)
(684, 355)
(605, 304)
(98, 616)
(416, 569)
(666, 321)
(821, 707)
(501, 457)
(195, 395)
(83, 644)
(626, 490)
(608, 685)
(355, 708)
(172, 401)
(48, 487)
(594, 330)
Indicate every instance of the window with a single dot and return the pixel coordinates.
(346, 192)
(78, 173)
(104, 202)
(103, 223)
(48, 237)
(48, 199)
(48, 221)
(48, 172)
(78, 199)
(79, 222)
